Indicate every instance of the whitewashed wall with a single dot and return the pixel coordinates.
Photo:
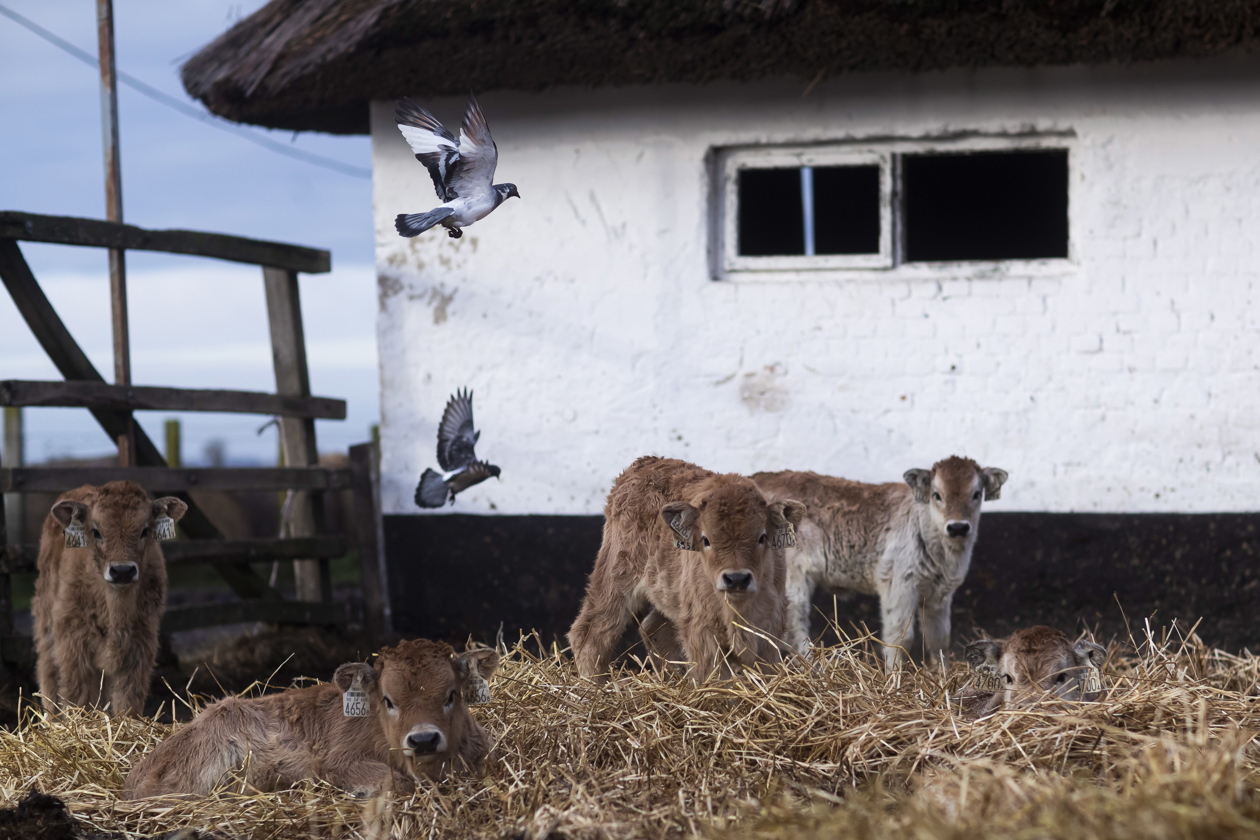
(586, 321)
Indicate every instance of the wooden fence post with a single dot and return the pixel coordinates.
(297, 434)
(14, 504)
(6, 597)
(174, 444)
(365, 479)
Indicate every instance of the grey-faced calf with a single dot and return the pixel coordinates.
(100, 595)
(373, 728)
(1034, 664)
(909, 543)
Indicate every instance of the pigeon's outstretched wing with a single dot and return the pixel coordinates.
(432, 143)
(432, 491)
(477, 472)
(478, 155)
(456, 437)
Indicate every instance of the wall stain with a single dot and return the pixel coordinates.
(439, 299)
(763, 390)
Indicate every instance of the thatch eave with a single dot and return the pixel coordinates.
(315, 64)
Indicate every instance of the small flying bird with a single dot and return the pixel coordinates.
(456, 439)
(461, 172)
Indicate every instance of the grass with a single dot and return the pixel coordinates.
(829, 748)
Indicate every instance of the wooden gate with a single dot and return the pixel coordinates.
(309, 547)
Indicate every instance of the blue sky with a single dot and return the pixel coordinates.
(194, 323)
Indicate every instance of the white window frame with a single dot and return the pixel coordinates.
(737, 160)
(890, 262)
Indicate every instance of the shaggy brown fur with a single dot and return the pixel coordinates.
(699, 548)
(97, 609)
(418, 724)
(1035, 663)
(909, 543)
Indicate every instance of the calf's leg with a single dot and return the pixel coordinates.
(800, 593)
(934, 621)
(603, 618)
(897, 607)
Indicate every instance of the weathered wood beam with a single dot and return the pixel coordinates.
(284, 612)
(94, 233)
(22, 559)
(297, 434)
(144, 398)
(365, 482)
(163, 480)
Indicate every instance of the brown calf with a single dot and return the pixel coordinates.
(371, 729)
(909, 543)
(1032, 664)
(705, 551)
(100, 595)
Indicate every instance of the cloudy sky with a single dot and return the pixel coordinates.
(194, 322)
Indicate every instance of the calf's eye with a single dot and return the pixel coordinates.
(1009, 680)
(936, 495)
(705, 540)
(96, 535)
(1061, 679)
(145, 532)
(389, 704)
(975, 497)
(761, 540)
(450, 699)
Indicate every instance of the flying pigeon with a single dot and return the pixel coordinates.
(461, 173)
(456, 440)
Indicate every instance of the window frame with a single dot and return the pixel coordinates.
(890, 262)
(735, 160)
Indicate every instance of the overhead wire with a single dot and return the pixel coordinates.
(184, 108)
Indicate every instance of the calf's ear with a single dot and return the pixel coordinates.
(984, 652)
(67, 510)
(474, 667)
(681, 518)
(344, 676)
(170, 506)
(1088, 653)
(920, 482)
(992, 478)
(784, 517)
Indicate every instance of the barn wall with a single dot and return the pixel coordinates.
(586, 319)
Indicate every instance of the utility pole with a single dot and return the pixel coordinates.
(114, 213)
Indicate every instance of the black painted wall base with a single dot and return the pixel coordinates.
(461, 575)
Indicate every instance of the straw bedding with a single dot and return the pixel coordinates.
(833, 748)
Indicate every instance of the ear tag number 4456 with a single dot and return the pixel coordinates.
(354, 703)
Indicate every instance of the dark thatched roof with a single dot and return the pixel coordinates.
(315, 64)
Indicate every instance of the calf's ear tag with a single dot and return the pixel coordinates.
(476, 689)
(164, 528)
(784, 536)
(354, 702)
(987, 680)
(76, 535)
(1093, 681)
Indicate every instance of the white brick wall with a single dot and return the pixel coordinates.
(585, 318)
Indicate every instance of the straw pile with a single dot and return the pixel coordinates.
(835, 748)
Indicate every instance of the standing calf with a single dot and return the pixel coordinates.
(100, 595)
(1035, 663)
(405, 717)
(908, 543)
(705, 551)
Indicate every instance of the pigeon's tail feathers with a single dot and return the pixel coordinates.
(432, 491)
(414, 224)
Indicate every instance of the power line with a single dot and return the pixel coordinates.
(186, 109)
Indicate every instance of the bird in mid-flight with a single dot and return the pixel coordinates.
(456, 439)
(461, 172)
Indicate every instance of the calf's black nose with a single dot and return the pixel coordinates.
(424, 742)
(736, 581)
(958, 529)
(123, 572)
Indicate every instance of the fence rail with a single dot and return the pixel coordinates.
(18, 392)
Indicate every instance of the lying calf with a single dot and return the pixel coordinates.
(370, 729)
(1033, 663)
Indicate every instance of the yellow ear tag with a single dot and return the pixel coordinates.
(354, 703)
(986, 679)
(1093, 681)
(76, 535)
(476, 689)
(164, 529)
(784, 536)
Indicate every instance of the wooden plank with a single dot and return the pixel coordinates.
(15, 650)
(297, 434)
(73, 363)
(17, 392)
(365, 482)
(94, 233)
(285, 612)
(6, 589)
(162, 480)
(22, 559)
